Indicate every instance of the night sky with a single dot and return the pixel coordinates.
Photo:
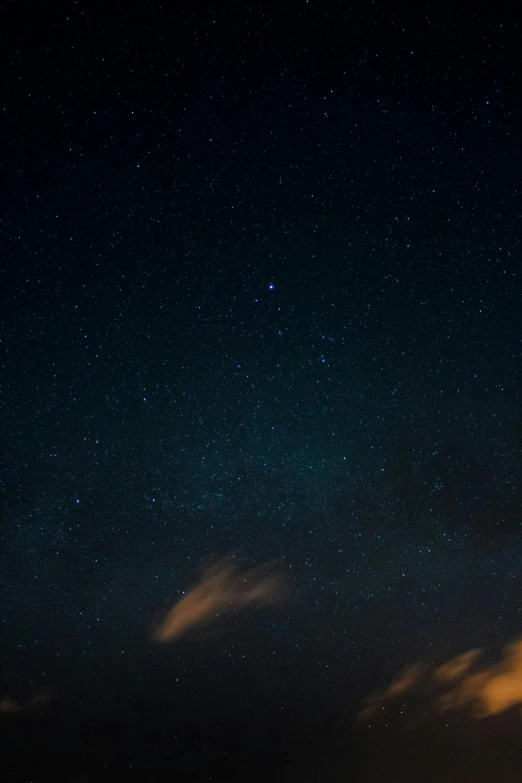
(260, 311)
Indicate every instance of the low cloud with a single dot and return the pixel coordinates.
(459, 684)
(222, 589)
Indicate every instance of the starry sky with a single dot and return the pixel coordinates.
(260, 281)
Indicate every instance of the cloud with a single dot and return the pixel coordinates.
(222, 589)
(491, 690)
(9, 706)
(460, 685)
(402, 684)
(456, 668)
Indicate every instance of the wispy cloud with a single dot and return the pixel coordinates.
(9, 706)
(222, 589)
(459, 684)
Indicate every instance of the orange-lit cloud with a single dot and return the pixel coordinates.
(491, 690)
(456, 668)
(221, 589)
(402, 684)
(460, 685)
